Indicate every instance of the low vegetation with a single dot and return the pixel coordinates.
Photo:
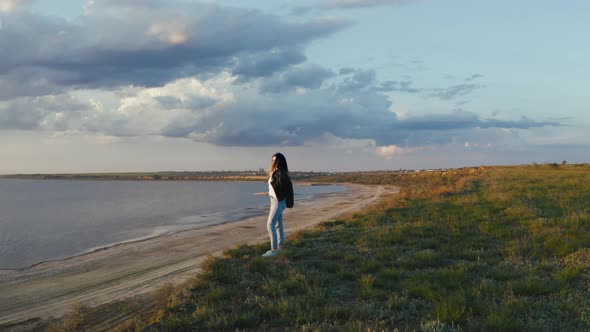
(494, 249)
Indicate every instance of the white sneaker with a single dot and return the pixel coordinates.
(269, 253)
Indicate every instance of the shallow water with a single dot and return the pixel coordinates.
(46, 220)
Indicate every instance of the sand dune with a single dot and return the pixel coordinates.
(51, 288)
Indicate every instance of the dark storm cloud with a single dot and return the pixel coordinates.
(149, 44)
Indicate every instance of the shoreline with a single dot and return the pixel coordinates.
(152, 236)
(126, 270)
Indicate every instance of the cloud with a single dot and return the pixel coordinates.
(261, 65)
(447, 93)
(522, 123)
(55, 113)
(118, 43)
(454, 91)
(210, 74)
(7, 6)
(463, 119)
(327, 5)
(306, 76)
(455, 120)
(351, 4)
(220, 112)
(388, 151)
(346, 70)
(301, 10)
(288, 118)
(473, 77)
(361, 78)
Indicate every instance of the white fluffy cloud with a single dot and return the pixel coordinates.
(388, 151)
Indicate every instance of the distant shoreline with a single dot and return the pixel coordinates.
(163, 176)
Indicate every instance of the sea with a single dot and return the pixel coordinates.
(43, 220)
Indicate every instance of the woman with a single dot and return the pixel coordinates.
(280, 190)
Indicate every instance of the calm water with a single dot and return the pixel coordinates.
(43, 220)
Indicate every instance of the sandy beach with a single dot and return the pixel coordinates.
(50, 289)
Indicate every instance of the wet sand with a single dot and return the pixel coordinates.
(123, 271)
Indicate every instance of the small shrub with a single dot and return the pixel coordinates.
(388, 279)
(347, 275)
(427, 257)
(451, 277)
(260, 265)
(502, 320)
(567, 274)
(75, 318)
(161, 296)
(531, 286)
(248, 319)
(450, 308)
(558, 246)
(367, 285)
(503, 273)
(420, 288)
(370, 266)
(217, 295)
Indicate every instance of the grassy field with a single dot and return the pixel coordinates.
(494, 249)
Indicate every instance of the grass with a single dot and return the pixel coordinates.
(495, 249)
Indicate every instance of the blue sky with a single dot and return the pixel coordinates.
(106, 85)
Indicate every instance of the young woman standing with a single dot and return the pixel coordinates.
(280, 190)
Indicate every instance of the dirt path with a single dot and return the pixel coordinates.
(50, 289)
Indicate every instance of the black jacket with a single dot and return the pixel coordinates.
(281, 183)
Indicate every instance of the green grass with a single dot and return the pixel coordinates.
(495, 249)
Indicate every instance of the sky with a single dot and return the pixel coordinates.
(335, 85)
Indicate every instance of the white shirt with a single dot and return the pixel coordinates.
(271, 190)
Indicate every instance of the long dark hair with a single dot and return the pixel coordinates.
(278, 161)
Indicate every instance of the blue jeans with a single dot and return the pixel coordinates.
(276, 216)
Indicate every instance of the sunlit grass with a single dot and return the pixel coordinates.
(496, 249)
